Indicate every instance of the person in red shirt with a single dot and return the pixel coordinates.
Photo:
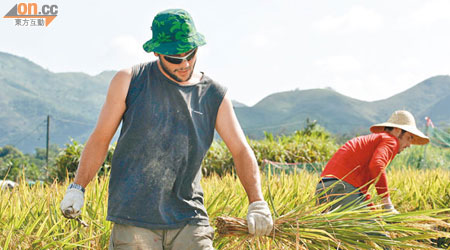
(362, 161)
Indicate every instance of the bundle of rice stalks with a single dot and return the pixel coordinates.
(354, 227)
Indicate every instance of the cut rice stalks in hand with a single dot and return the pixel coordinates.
(350, 228)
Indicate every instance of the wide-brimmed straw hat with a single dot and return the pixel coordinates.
(402, 119)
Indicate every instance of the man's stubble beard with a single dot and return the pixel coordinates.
(173, 76)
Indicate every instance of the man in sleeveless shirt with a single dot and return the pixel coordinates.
(362, 162)
(169, 113)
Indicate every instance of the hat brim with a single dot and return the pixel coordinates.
(418, 137)
(176, 47)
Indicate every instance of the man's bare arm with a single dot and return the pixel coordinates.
(97, 145)
(245, 162)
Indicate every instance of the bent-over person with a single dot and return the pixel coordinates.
(362, 161)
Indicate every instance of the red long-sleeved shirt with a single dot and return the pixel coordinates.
(362, 159)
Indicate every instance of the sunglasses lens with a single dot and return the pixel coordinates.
(180, 60)
(173, 60)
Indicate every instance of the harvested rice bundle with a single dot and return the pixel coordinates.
(344, 229)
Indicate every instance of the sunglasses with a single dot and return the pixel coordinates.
(178, 60)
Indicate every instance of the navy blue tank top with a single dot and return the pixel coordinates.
(167, 129)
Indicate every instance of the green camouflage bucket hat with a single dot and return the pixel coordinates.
(174, 33)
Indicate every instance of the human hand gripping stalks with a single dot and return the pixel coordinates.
(259, 218)
(72, 203)
(347, 228)
(351, 227)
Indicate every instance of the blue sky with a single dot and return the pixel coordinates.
(368, 50)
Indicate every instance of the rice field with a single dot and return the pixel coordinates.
(30, 216)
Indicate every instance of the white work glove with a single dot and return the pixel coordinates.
(259, 218)
(387, 204)
(72, 203)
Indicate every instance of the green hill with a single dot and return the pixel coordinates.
(439, 111)
(28, 93)
(287, 111)
(420, 100)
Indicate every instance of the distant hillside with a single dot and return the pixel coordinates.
(287, 111)
(439, 111)
(28, 93)
(424, 99)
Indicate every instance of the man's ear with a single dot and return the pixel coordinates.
(156, 54)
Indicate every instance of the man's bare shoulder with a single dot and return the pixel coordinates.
(122, 74)
(122, 77)
(120, 83)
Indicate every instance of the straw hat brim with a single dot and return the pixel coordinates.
(418, 137)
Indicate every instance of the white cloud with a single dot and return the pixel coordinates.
(429, 13)
(128, 47)
(124, 51)
(410, 63)
(358, 18)
(257, 40)
(367, 87)
(339, 64)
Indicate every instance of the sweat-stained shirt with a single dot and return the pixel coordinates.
(362, 160)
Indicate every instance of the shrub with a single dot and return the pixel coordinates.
(14, 164)
(311, 145)
(422, 157)
(67, 161)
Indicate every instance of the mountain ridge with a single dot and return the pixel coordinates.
(343, 114)
(73, 100)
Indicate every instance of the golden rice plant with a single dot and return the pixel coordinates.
(353, 227)
(420, 189)
(30, 216)
(300, 224)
